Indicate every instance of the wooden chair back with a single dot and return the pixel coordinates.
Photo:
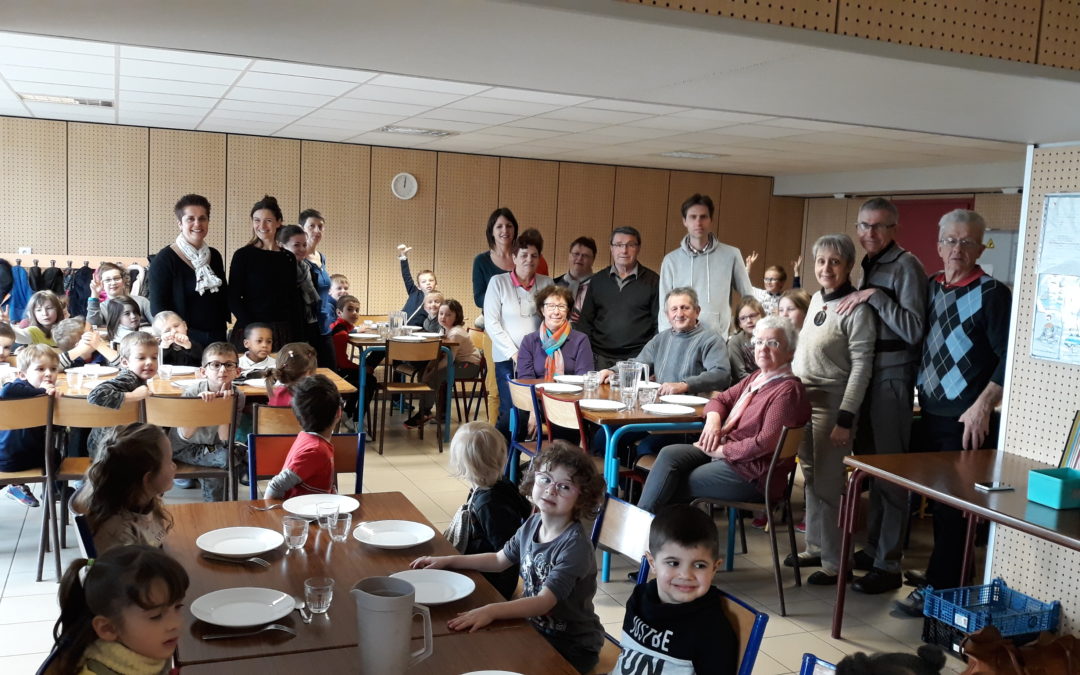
(789, 442)
(274, 419)
(267, 453)
(566, 414)
(11, 359)
(73, 411)
(190, 412)
(523, 397)
(25, 413)
(623, 528)
(401, 350)
(749, 627)
(477, 337)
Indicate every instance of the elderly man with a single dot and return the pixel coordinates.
(894, 285)
(705, 264)
(582, 255)
(687, 358)
(619, 314)
(961, 376)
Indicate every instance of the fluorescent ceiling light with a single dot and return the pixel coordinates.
(415, 131)
(67, 100)
(685, 154)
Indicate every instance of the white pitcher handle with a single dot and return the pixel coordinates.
(429, 646)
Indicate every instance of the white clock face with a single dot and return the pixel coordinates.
(404, 186)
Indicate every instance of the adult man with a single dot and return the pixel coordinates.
(582, 255)
(961, 375)
(619, 314)
(706, 265)
(688, 358)
(894, 285)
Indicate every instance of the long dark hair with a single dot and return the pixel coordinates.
(116, 307)
(490, 231)
(116, 476)
(120, 577)
(295, 361)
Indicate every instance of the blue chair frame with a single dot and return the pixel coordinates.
(757, 631)
(812, 665)
(517, 424)
(253, 471)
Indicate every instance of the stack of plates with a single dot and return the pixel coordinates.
(94, 369)
(570, 379)
(184, 370)
(365, 336)
(408, 338)
(256, 382)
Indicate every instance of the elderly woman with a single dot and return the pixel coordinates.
(510, 312)
(188, 276)
(555, 349)
(742, 427)
(834, 361)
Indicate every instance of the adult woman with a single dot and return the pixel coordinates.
(510, 312)
(793, 306)
(188, 276)
(834, 361)
(313, 223)
(110, 278)
(554, 349)
(742, 426)
(262, 280)
(501, 231)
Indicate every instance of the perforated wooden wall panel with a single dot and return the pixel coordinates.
(1001, 212)
(682, 185)
(530, 188)
(823, 216)
(1059, 35)
(811, 14)
(1003, 29)
(1042, 398)
(34, 190)
(335, 180)
(586, 200)
(641, 201)
(784, 241)
(399, 221)
(742, 213)
(107, 189)
(468, 193)
(258, 166)
(186, 162)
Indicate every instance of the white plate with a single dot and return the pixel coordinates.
(410, 329)
(408, 338)
(242, 607)
(259, 382)
(304, 505)
(491, 672)
(184, 384)
(684, 399)
(570, 379)
(365, 336)
(239, 542)
(558, 388)
(437, 587)
(648, 385)
(184, 370)
(667, 409)
(94, 369)
(428, 335)
(600, 404)
(393, 533)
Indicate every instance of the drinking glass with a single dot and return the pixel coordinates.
(613, 380)
(165, 372)
(628, 397)
(647, 395)
(325, 511)
(318, 592)
(89, 381)
(592, 383)
(75, 382)
(384, 331)
(339, 525)
(295, 530)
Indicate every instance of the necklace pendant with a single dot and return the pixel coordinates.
(819, 318)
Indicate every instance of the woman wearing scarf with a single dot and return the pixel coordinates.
(510, 313)
(188, 276)
(554, 349)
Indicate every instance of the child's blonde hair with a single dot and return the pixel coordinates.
(434, 294)
(339, 277)
(478, 453)
(161, 317)
(36, 352)
(135, 339)
(295, 361)
(582, 471)
(43, 298)
(67, 333)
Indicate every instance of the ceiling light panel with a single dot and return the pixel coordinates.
(377, 107)
(272, 96)
(150, 84)
(292, 83)
(52, 76)
(61, 90)
(399, 95)
(529, 96)
(469, 116)
(305, 70)
(57, 44)
(177, 71)
(188, 58)
(73, 112)
(41, 58)
(448, 125)
(496, 105)
(425, 84)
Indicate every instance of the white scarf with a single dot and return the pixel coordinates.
(205, 279)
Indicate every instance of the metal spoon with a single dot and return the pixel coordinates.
(271, 507)
(273, 626)
(301, 608)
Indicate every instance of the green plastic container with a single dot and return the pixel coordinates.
(1056, 488)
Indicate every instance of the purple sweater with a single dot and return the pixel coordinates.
(576, 353)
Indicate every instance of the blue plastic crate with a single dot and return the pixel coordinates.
(973, 607)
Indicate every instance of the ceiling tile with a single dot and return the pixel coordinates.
(399, 95)
(126, 107)
(554, 125)
(271, 96)
(377, 107)
(624, 131)
(305, 70)
(291, 83)
(167, 99)
(159, 120)
(469, 116)
(391, 140)
(52, 76)
(276, 107)
(425, 84)
(496, 105)
(61, 90)
(533, 96)
(523, 133)
(170, 86)
(425, 122)
(721, 116)
(594, 115)
(72, 112)
(236, 127)
(810, 125)
(314, 133)
(189, 58)
(357, 121)
(41, 58)
(177, 71)
(632, 106)
(57, 44)
(675, 123)
(591, 139)
(759, 131)
(256, 114)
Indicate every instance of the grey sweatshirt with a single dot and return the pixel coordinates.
(697, 357)
(712, 273)
(900, 304)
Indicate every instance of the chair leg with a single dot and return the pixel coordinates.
(742, 532)
(382, 421)
(438, 431)
(729, 564)
(457, 402)
(63, 515)
(775, 559)
(791, 540)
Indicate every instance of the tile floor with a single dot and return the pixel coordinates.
(28, 609)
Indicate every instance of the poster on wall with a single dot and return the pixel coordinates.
(1055, 334)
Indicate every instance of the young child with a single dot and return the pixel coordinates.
(125, 317)
(177, 349)
(120, 613)
(295, 361)
(417, 292)
(138, 363)
(495, 506)
(675, 623)
(7, 340)
(43, 311)
(432, 302)
(209, 446)
(259, 342)
(23, 449)
(339, 286)
(110, 280)
(309, 466)
(348, 310)
(740, 351)
(122, 496)
(558, 565)
(466, 362)
(79, 344)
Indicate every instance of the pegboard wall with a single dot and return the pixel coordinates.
(641, 201)
(530, 187)
(194, 160)
(810, 14)
(1059, 37)
(258, 166)
(1042, 398)
(34, 190)
(586, 200)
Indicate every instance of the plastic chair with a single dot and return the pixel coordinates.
(749, 626)
(29, 413)
(274, 419)
(812, 665)
(478, 393)
(267, 453)
(86, 540)
(786, 447)
(399, 350)
(168, 412)
(522, 400)
(567, 415)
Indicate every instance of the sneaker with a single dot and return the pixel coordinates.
(412, 422)
(22, 494)
(759, 523)
(912, 605)
(186, 483)
(801, 526)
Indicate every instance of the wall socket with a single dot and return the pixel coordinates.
(25, 250)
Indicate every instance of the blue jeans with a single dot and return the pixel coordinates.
(683, 473)
(504, 370)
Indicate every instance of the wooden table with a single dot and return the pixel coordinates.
(346, 562)
(159, 387)
(520, 649)
(949, 478)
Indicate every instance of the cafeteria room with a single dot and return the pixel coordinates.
(366, 252)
